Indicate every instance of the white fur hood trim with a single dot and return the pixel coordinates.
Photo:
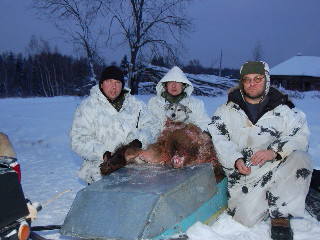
(176, 75)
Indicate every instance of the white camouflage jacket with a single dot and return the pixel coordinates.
(281, 127)
(98, 127)
(156, 104)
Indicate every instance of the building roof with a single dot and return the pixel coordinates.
(298, 66)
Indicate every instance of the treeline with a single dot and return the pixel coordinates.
(195, 67)
(44, 74)
(49, 73)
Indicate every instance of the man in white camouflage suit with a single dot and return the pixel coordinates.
(261, 141)
(108, 118)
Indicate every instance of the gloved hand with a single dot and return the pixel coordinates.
(135, 143)
(106, 156)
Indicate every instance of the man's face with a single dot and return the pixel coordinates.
(111, 88)
(253, 86)
(174, 88)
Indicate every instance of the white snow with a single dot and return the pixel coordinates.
(298, 66)
(39, 127)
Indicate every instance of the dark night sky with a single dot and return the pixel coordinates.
(284, 28)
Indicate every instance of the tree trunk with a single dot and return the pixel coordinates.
(133, 81)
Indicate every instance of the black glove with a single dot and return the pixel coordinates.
(106, 156)
(135, 143)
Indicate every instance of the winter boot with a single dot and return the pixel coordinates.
(281, 229)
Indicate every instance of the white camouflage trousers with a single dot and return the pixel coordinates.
(281, 192)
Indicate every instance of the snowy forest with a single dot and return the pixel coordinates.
(45, 74)
(49, 73)
(151, 31)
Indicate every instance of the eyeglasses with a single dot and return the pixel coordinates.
(256, 79)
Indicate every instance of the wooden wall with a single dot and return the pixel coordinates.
(299, 83)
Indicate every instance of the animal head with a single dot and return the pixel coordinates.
(177, 112)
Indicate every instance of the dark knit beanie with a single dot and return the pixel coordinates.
(252, 67)
(112, 72)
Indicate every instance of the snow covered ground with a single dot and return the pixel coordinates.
(39, 127)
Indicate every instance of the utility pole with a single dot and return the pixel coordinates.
(220, 67)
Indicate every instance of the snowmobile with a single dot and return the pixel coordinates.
(13, 207)
(139, 201)
(16, 212)
(144, 201)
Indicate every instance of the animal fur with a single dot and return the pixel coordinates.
(179, 144)
(118, 158)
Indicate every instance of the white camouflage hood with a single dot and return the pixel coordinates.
(174, 75)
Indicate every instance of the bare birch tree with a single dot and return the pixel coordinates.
(151, 26)
(78, 20)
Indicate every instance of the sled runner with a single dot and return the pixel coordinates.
(146, 202)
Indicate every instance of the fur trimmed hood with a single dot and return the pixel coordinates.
(251, 67)
(176, 75)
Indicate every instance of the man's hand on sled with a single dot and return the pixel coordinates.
(262, 156)
(241, 167)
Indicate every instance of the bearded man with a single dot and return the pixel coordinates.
(261, 141)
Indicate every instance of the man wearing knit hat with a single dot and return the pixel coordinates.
(108, 118)
(111, 82)
(261, 141)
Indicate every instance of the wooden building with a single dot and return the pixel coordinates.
(301, 73)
